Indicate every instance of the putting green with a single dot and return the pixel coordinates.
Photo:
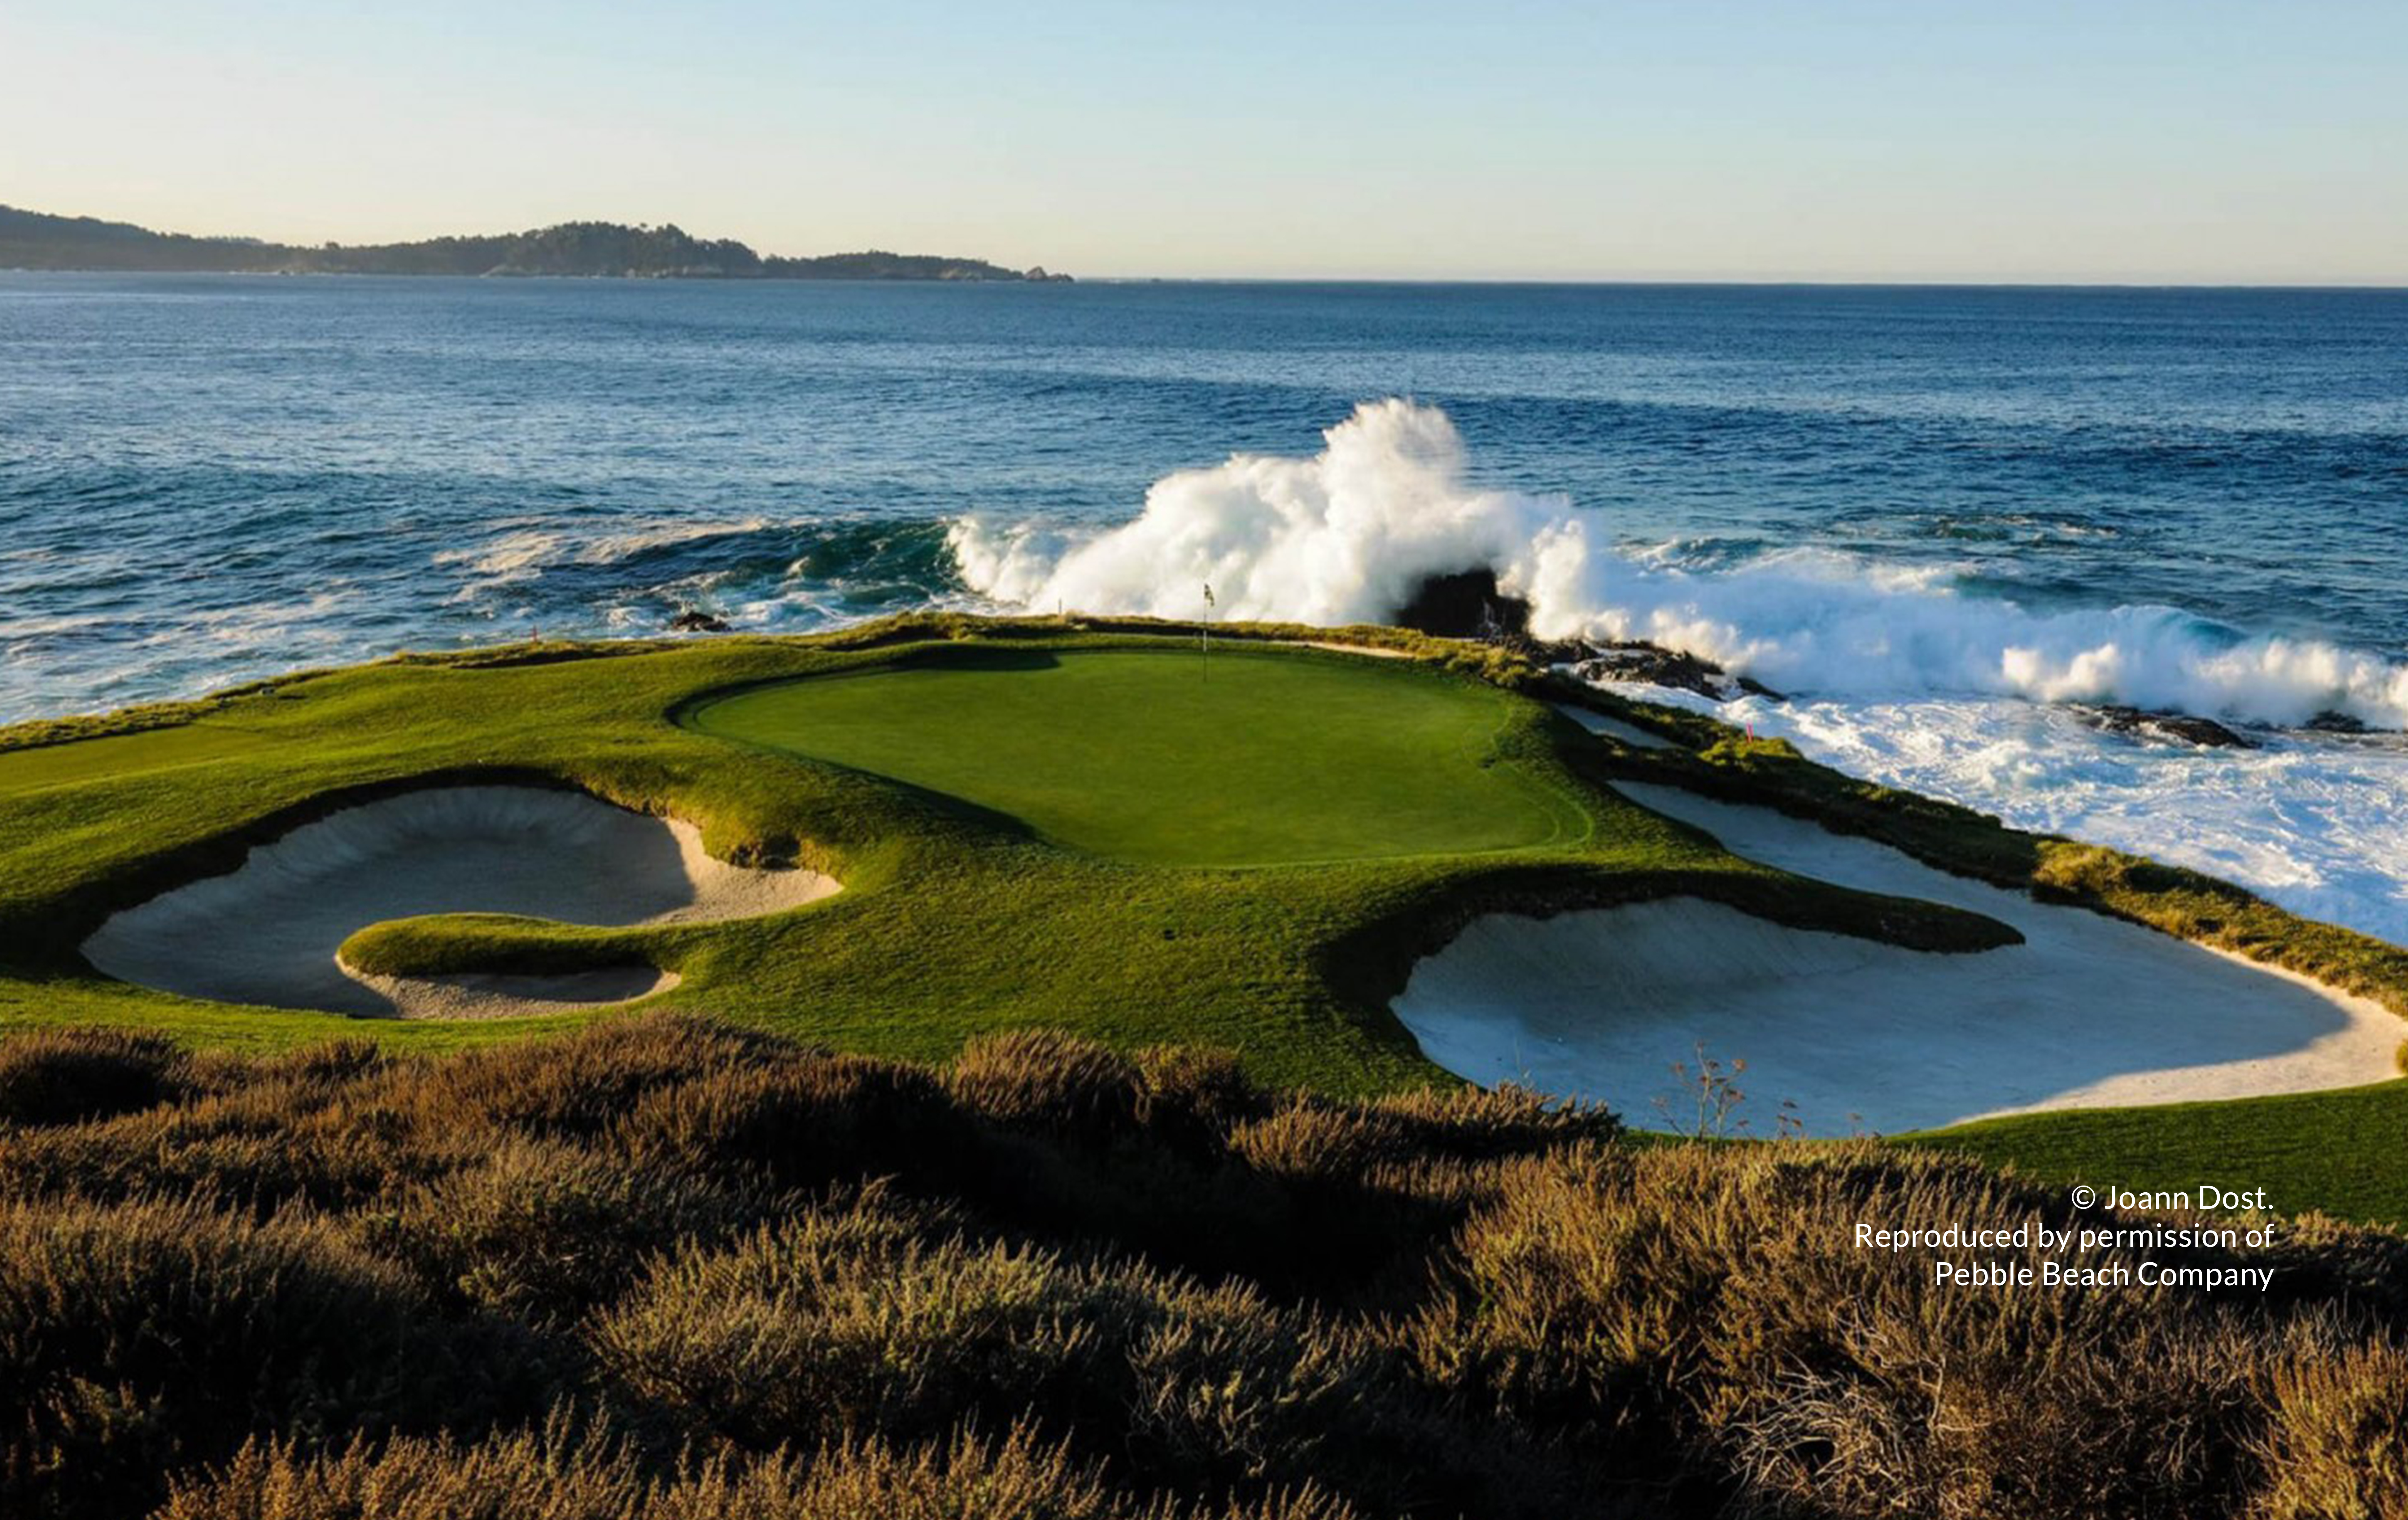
(1264, 759)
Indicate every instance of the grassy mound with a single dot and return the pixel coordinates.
(664, 1268)
(1241, 759)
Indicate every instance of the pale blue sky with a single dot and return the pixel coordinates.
(2139, 140)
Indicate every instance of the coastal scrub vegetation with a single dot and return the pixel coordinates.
(666, 1267)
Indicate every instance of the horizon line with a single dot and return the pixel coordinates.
(1502, 281)
(2312, 282)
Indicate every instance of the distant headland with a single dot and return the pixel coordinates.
(598, 249)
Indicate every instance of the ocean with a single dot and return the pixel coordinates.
(1938, 520)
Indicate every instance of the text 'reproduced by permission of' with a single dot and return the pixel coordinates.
(2116, 1254)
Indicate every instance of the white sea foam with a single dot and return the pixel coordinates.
(1347, 535)
(1896, 673)
(523, 553)
(2317, 823)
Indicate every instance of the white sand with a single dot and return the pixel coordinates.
(2089, 1012)
(267, 933)
(1377, 651)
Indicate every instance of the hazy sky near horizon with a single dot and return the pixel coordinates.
(2139, 140)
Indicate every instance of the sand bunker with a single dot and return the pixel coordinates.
(1629, 733)
(2088, 1012)
(268, 932)
(1377, 651)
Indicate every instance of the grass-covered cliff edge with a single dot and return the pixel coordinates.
(956, 918)
(962, 918)
(1067, 1166)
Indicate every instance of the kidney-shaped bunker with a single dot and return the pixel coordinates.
(268, 932)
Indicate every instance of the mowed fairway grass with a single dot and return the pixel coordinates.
(1242, 759)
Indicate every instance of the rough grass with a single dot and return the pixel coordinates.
(666, 1268)
(2337, 1152)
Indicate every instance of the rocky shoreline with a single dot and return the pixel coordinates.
(1469, 605)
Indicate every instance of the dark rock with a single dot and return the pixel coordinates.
(2331, 721)
(2170, 727)
(691, 621)
(1470, 606)
(1467, 605)
(1653, 665)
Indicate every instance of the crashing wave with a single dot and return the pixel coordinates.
(1348, 534)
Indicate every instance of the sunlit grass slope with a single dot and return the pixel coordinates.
(1084, 885)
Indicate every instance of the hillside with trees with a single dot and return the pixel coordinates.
(604, 249)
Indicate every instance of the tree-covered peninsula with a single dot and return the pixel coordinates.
(36, 240)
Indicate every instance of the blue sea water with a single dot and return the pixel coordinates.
(1933, 514)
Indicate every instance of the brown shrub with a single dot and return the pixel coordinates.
(2336, 1444)
(1716, 1294)
(2324, 1260)
(1226, 1394)
(875, 1322)
(556, 1474)
(138, 1338)
(1447, 1302)
(308, 1078)
(545, 1230)
(1200, 1086)
(866, 1320)
(61, 1076)
(1018, 1478)
(560, 1475)
(1481, 1123)
(579, 1083)
(258, 1145)
(1308, 1140)
(806, 1122)
(1050, 1082)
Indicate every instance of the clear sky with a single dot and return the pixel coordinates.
(2144, 140)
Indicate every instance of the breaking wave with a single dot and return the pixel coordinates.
(1349, 535)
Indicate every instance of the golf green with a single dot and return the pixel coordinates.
(1252, 759)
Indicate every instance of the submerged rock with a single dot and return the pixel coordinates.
(2169, 727)
(691, 621)
(2333, 722)
(1653, 665)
